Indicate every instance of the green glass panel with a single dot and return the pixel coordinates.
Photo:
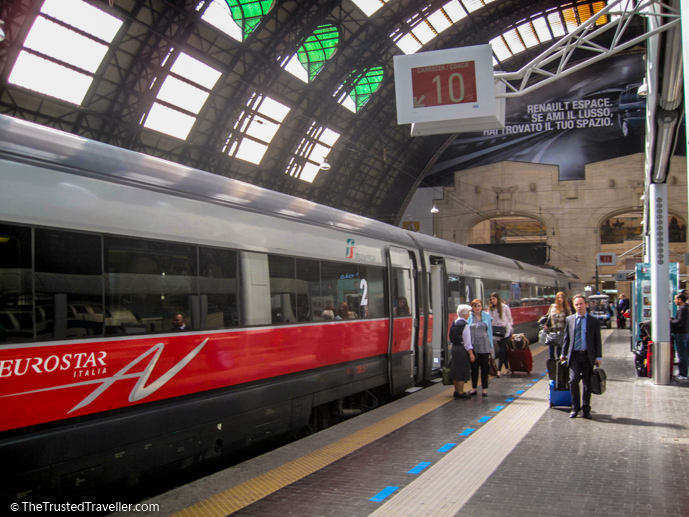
(366, 85)
(318, 48)
(248, 13)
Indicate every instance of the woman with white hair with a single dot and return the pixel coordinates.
(462, 351)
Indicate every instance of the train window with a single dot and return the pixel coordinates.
(308, 287)
(69, 285)
(372, 288)
(459, 291)
(283, 300)
(16, 286)
(341, 287)
(502, 288)
(401, 292)
(218, 288)
(147, 283)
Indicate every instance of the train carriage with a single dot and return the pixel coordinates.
(296, 314)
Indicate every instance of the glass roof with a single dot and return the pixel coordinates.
(249, 13)
(365, 85)
(311, 153)
(255, 128)
(318, 48)
(58, 61)
(370, 7)
(181, 97)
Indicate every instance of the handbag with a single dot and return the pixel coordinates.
(492, 367)
(599, 381)
(542, 335)
(554, 338)
(446, 377)
(499, 331)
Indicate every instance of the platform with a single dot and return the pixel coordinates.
(505, 454)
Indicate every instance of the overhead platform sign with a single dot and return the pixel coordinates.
(448, 91)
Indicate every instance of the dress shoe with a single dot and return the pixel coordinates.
(455, 395)
(471, 393)
(484, 394)
(587, 415)
(573, 414)
(463, 396)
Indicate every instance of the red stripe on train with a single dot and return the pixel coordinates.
(55, 381)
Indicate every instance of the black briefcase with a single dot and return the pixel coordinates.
(598, 381)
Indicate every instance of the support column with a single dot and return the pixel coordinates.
(659, 254)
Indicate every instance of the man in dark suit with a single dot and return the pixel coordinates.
(582, 349)
(622, 307)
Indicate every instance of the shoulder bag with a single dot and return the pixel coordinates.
(499, 331)
(554, 338)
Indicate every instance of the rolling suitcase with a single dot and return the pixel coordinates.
(559, 397)
(559, 383)
(520, 360)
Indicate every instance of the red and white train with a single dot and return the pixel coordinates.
(296, 314)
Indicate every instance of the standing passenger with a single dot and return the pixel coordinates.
(622, 308)
(482, 340)
(582, 350)
(680, 328)
(502, 317)
(462, 351)
(555, 320)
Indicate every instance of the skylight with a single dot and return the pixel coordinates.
(311, 153)
(255, 128)
(425, 28)
(369, 7)
(544, 28)
(219, 16)
(51, 51)
(365, 85)
(236, 18)
(181, 97)
(311, 57)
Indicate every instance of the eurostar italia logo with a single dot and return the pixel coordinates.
(350, 249)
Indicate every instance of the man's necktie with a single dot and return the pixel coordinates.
(577, 335)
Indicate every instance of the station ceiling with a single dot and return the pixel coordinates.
(259, 91)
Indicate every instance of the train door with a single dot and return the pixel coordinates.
(404, 319)
(480, 292)
(439, 327)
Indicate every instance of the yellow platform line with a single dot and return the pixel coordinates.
(255, 489)
(244, 494)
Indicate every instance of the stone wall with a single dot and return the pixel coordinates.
(572, 211)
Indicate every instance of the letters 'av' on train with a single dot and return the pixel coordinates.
(296, 314)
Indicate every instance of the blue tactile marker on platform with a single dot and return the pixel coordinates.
(419, 468)
(447, 447)
(484, 419)
(380, 496)
(467, 432)
(498, 408)
(511, 399)
(519, 392)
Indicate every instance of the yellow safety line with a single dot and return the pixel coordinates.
(253, 490)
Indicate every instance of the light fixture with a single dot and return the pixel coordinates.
(434, 210)
(325, 166)
(2, 31)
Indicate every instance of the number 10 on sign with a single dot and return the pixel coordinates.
(444, 84)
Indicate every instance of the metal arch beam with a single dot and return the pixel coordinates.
(536, 74)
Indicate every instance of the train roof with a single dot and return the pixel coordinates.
(28, 142)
